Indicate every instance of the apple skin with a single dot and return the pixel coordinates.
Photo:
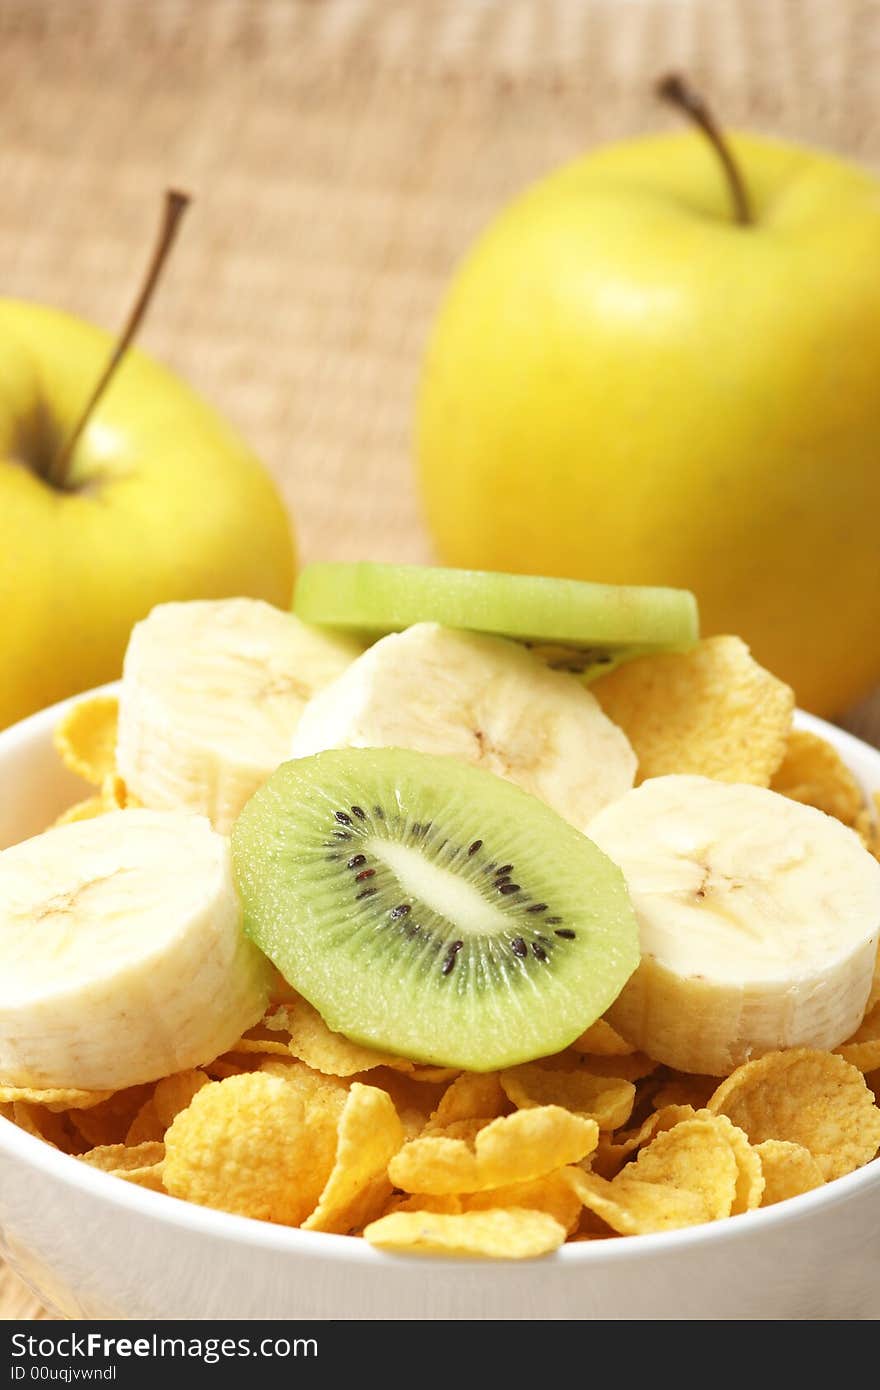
(165, 502)
(625, 385)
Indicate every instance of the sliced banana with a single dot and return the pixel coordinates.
(758, 919)
(211, 693)
(122, 957)
(482, 700)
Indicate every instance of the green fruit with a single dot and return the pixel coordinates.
(377, 599)
(431, 909)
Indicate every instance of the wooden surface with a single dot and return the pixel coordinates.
(342, 154)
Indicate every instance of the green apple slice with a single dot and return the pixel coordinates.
(575, 626)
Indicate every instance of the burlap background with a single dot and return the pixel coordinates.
(342, 154)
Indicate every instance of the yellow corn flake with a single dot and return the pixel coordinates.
(223, 1067)
(517, 1234)
(110, 1120)
(712, 711)
(552, 1193)
(862, 1050)
(681, 1089)
(447, 1205)
(613, 1150)
(315, 1044)
(85, 738)
(750, 1175)
(515, 1148)
(88, 809)
(250, 1145)
(51, 1126)
(357, 1189)
(603, 1041)
(55, 1098)
(414, 1101)
(174, 1094)
(121, 1158)
(151, 1177)
(260, 1047)
(471, 1096)
(146, 1127)
(788, 1169)
(815, 1099)
(607, 1100)
(634, 1066)
(430, 1076)
(632, 1207)
(695, 1156)
(814, 773)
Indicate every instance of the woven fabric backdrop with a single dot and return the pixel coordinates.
(342, 154)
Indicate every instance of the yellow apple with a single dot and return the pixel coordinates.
(163, 501)
(624, 384)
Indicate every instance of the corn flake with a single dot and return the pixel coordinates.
(85, 739)
(516, 1234)
(711, 711)
(632, 1207)
(788, 1169)
(357, 1189)
(694, 1156)
(814, 773)
(515, 1148)
(552, 1193)
(56, 1098)
(815, 1099)
(121, 1158)
(862, 1050)
(250, 1145)
(603, 1041)
(322, 1049)
(607, 1100)
(474, 1095)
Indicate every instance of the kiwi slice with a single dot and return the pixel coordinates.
(577, 626)
(431, 909)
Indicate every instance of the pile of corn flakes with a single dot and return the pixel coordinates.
(299, 1126)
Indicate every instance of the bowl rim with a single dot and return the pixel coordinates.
(207, 1221)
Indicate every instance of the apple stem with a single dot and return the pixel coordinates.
(674, 89)
(176, 204)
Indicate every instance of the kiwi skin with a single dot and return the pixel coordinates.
(517, 935)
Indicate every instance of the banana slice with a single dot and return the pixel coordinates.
(122, 957)
(758, 918)
(211, 693)
(482, 700)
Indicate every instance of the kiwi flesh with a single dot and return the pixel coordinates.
(599, 623)
(431, 909)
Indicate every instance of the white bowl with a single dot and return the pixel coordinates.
(91, 1246)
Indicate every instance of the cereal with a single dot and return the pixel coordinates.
(315, 1044)
(607, 1100)
(813, 772)
(788, 1169)
(633, 1208)
(694, 1156)
(249, 1145)
(815, 1099)
(712, 711)
(612, 1151)
(603, 1041)
(116, 1158)
(174, 1094)
(552, 1193)
(515, 1148)
(85, 739)
(471, 1096)
(863, 1048)
(55, 1098)
(357, 1189)
(516, 1234)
